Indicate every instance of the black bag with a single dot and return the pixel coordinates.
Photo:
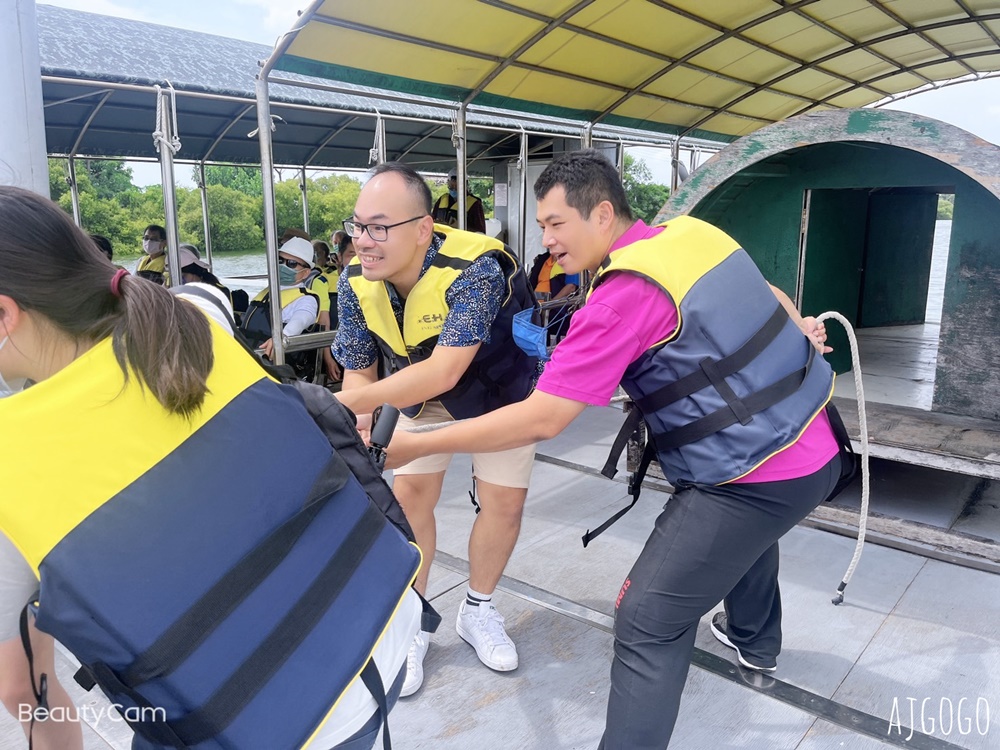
(848, 458)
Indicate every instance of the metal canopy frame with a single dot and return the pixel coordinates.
(722, 69)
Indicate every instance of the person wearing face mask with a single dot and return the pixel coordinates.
(299, 306)
(153, 265)
(446, 208)
(152, 398)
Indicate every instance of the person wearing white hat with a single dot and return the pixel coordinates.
(446, 207)
(299, 307)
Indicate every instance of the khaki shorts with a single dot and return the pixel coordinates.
(509, 468)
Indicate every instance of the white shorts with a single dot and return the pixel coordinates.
(17, 584)
(509, 468)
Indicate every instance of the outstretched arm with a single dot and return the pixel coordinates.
(420, 382)
(541, 416)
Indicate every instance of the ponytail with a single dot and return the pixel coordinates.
(166, 341)
(49, 266)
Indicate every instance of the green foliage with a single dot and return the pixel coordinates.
(644, 196)
(331, 200)
(233, 219)
(111, 205)
(946, 207)
(246, 180)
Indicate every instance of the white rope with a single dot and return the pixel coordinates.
(863, 439)
(159, 135)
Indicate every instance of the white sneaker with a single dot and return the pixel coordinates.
(415, 664)
(482, 628)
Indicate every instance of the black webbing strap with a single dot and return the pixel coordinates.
(247, 681)
(155, 731)
(631, 424)
(727, 416)
(191, 629)
(723, 368)
(429, 617)
(634, 488)
(41, 693)
(373, 681)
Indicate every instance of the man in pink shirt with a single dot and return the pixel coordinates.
(727, 377)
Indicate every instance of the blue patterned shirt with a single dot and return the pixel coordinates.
(473, 303)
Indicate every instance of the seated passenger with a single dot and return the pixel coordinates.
(104, 245)
(194, 269)
(152, 265)
(551, 282)
(299, 307)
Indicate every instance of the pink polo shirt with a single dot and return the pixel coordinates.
(624, 317)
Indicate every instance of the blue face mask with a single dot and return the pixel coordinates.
(531, 338)
(286, 275)
(453, 193)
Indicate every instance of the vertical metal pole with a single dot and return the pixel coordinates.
(23, 159)
(587, 136)
(165, 127)
(620, 158)
(522, 221)
(270, 222)
(203, 187)
(74, 193)
(304, 189)
(800, 280)
(460, 155)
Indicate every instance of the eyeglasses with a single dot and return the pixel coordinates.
(147, 237)
(292, 263)
(378, 232)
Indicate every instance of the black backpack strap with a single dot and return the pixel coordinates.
(41, 692)
(634, 488)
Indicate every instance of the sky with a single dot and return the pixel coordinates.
(971, 106)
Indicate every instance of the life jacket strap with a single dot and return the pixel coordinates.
(735, 410)
(723, 368)
(373, 681)
(634, 488)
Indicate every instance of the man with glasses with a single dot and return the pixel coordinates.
(299, 306)
(153, 264)
(425, 325)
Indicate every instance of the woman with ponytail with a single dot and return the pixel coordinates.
(45, 325)
(135, 438)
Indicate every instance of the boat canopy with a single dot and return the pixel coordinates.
(682, 67)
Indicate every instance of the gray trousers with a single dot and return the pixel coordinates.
(709, 544)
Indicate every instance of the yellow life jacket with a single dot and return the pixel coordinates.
(500, 373)
(152, 269)
(223, 559)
